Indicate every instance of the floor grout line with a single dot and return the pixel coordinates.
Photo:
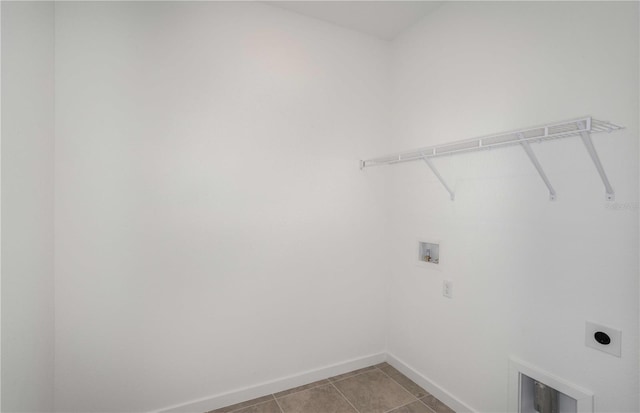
(431, 408)
(302, 391)
(345, 397)
(449, 409)
(278, 403)
(299, 391)
(403, 388)
(362, 372)
(398, 407)
(428, 407)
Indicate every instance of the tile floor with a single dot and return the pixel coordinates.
(375, 389)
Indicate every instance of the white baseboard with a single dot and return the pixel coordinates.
(262, 389)
(427, 384)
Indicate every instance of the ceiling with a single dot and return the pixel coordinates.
(382, 19)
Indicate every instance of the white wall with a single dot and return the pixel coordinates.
(27, 206)
(213, 228)
(527, 273)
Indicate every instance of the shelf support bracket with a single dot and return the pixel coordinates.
(534, 160)
(588, 143)
(437, 174)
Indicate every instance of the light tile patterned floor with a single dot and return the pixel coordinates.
(375, 389)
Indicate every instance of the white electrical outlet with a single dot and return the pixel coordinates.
(603, 338)
(447, 289)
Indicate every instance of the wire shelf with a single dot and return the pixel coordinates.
(582, 127)
(552, 131)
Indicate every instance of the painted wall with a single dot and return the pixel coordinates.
(213, 228)
(527, 273)
(27, 206)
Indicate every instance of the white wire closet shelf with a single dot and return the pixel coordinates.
(582, 127)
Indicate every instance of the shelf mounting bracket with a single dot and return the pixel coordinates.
(452, 194)
(534, 160)
(588, 143)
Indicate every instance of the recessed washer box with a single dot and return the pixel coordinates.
(525, 381)
(428, 253)
(603, 338)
